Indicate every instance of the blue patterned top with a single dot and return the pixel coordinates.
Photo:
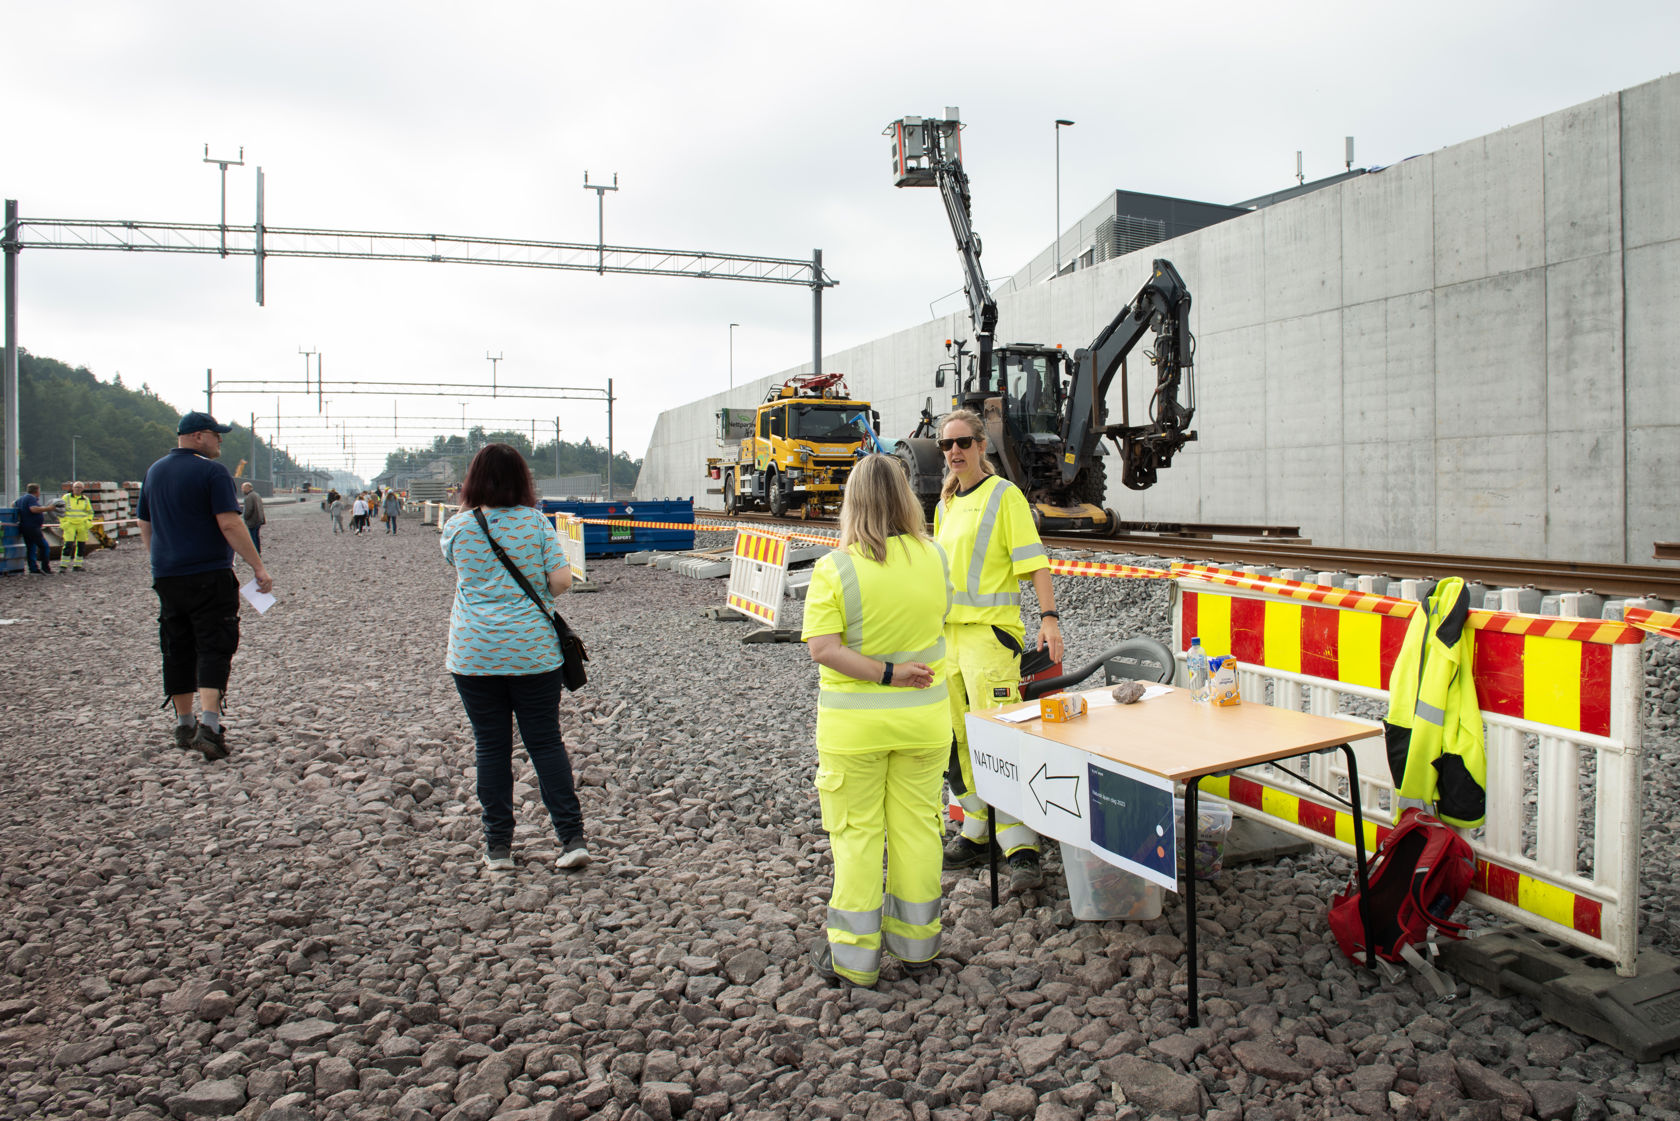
(494, 628)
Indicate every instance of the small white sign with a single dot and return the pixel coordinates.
(257, 598)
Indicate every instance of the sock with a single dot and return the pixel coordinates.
(186, 720)
(211, 720)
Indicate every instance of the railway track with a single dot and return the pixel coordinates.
(1660, 581)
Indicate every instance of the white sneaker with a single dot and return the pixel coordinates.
(575, 856)
(499, 858)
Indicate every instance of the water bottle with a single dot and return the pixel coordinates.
(1196, 662)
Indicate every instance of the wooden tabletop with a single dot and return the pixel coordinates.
(1176, 738)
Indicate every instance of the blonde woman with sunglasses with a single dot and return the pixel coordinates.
(874, 618)
(986, 528)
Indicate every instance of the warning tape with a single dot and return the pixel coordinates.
(1665, 623)
(1114, 571)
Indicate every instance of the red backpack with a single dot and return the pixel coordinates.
(1417, 877)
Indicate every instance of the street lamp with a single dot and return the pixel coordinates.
(1056, 266)
(732, 327)
(73, 440)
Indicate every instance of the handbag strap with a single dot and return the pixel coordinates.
(502, 556)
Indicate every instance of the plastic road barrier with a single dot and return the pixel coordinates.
(758, 574)
(570, 530)
(1561, 700)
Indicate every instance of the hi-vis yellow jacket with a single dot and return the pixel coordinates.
(989, 535)
(77, 513)
(1436, 747)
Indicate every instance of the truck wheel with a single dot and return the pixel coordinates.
(778, 496)
(730, 503)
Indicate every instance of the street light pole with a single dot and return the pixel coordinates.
(600, 218)
(73, 475)
(732, 327)
(1056, 265)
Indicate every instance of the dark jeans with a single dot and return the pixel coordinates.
(35, 546)
(492, 701)
(198, 629)
(256, 536)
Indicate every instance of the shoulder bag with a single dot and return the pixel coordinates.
(572, 652)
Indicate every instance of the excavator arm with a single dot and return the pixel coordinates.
(1163, 306)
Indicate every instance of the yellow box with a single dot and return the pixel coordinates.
(1224, 688)
(1058, 708)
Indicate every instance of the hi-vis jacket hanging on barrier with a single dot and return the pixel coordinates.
(1434, 725)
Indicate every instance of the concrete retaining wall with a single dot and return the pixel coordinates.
(1471, 351)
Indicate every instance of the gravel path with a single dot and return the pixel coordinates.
(306, 931)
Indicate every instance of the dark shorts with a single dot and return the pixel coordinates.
(198, 629)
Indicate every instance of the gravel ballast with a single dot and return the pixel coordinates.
(306, 930)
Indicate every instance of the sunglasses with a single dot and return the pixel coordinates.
(963, 442)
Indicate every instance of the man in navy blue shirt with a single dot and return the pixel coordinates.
(190, 519)
(30, 519)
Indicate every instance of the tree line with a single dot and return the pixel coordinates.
(574, 459)
(72, 425)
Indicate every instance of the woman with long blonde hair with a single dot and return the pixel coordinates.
(874, 615)
(986, 528)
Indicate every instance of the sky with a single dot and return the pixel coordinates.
(734, 126)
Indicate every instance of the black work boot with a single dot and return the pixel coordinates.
(1025, 871)
(964, 853)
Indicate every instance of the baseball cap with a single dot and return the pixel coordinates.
(200, 422)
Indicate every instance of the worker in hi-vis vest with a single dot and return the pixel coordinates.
(874, 620)
(986, 528)
(76, 520)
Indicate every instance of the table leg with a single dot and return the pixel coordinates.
(1359, 844)
(1188, 871)
(991, 849)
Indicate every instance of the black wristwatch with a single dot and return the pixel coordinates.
(886, 674)
(1056, 615)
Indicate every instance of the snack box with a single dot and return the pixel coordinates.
(1059, 708)
(1223, 690)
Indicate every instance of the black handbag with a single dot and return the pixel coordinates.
(572, 652)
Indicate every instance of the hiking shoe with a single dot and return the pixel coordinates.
(576, 855)
(1025, 872)
(210, 741)
(499, 858)
(184, 736)
(822, 960)
(964, 853)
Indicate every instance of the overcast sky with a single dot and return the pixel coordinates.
(733, 126)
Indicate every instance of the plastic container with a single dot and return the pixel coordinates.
(1098, 891)
(1213, 825)
(1196, 664)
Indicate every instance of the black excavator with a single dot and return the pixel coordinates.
(1045, 410)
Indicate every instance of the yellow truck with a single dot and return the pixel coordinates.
(793, 452)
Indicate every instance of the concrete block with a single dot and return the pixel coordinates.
(1650, 120)
(1304, 391)
(1301, 490)
(1231, 384)
(1303, 240)
(1388, 233)
(1584, 343)
(1490, 357)
(1653, 333)
(1229, 288)
(1583, 184)
(1653, 481)
(1490, 495)
(1388, 495)
(1584, 500)
(1489, 206)
(1388, 370)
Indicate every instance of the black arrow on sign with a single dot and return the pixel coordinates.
(1044, 800)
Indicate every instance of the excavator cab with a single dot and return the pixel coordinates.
(1031, 382)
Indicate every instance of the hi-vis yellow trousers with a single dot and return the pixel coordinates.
(877, 802)
(981, 673)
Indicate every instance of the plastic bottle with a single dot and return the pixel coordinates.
(1196, 662)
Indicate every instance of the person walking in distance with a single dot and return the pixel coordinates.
(874, 620)
(392, 506)
(359, 513)
(192, 524)
(31, 517)
(986, 528)
(335, 507)
(504, 653)
(253, 515)
(76, 520)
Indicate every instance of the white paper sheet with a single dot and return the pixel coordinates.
(257, 598)
(1021, 716)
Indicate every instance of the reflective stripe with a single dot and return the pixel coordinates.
(1028, 552)
(912, 949)
(854, 922)
(858, 959)
(930, 655)
(894, 698)
(983, 541)
(971, 599)
(945, 563)
(915, 914)
(852, 597)
(1431, 714)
